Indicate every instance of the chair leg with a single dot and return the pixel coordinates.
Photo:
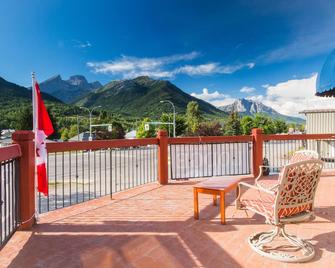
(260, 243)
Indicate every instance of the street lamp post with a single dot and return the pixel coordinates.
(90, 113)
(174, 115)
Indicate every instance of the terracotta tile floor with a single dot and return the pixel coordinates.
(153, 226)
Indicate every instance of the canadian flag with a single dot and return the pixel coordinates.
(43, 128)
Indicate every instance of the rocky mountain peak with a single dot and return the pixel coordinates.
(77, 80)
(251, 107)
(68, 90)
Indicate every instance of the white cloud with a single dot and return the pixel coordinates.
(247, 89)
(81, 44)
(293, 96)
(216, 98)
(223, 102)
(130, 67)
(207, 96)
(212, 68)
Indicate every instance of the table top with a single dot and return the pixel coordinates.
(218, 183)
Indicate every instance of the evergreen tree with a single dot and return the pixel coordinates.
(233, 125)
(247, 124)
(193, 117)
(24, 119)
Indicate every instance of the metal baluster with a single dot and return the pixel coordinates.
(70, 177)
(55, 180)
(48, 174)
(63, 177)
(76, 176)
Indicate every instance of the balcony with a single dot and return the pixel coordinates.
(152, 224)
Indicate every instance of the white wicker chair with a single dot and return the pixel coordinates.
(290, 201)
(297, 156)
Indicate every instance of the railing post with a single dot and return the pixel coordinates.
(257, 150)
(163, 149)
(25, 139)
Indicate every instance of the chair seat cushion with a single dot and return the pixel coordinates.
(262, 206)
(265, 206)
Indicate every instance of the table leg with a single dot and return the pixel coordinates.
(222, 207)
(214, 200)
(196, 204)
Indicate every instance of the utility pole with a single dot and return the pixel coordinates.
(78, 126)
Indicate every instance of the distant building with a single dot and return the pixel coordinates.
(130, 135)
(84, 136)
(321, 121)
(6, 137)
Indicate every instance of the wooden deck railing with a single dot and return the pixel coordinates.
(9, 191)
(255, 146)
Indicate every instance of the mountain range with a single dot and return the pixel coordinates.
(68, 90)
(250, 107)
(13, 94)
(141, 97)
(136, 97)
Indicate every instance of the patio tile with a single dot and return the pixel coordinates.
(153, 226)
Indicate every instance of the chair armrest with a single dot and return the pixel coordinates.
(261, 171)
(259, 188)
(255, 187)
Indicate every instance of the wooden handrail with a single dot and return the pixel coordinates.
(53, 147)
(269, 137)
(209, 139)
(10, 152)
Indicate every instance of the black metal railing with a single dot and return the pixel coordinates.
(211, 159)
(78, 176)
(279, 152)
(9, 199)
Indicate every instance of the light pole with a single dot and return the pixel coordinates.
(90, 113)
(78, 126)
(174, 115)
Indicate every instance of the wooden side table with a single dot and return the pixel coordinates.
(216, 186)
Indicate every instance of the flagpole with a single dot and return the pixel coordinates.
(35, 131)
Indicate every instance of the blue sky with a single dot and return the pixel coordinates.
(217, 50)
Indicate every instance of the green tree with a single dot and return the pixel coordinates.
(265, 123)
(209, 129)
(64, 134)
(280, 126)
(302, 128)
(103, 115)
(180, 124)
(233, 125)
(142, 133)
(53, 118)
(247, 124)
(24, 119)
(118, 131)
(193, 117)
(73, 131)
